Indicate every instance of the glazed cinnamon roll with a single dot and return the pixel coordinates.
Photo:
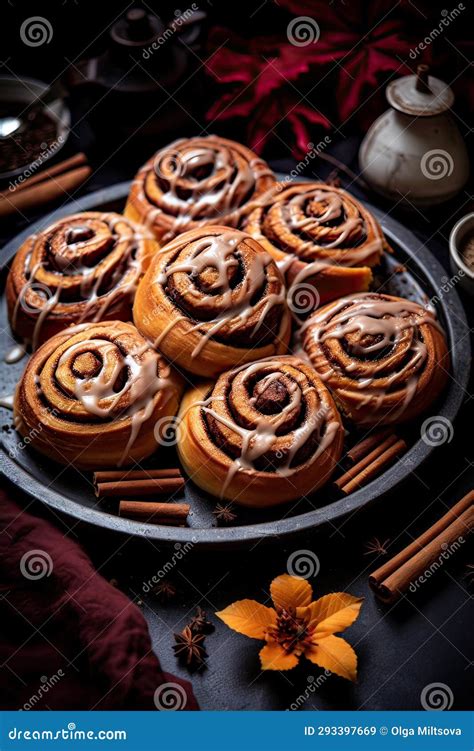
(211, 299)
(93, 396)
(196, 181)
(84, 267)
(263, 434)
(322, 237)
(384, 358)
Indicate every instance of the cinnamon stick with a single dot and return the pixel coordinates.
(139, 488)
(417, 569)
(43, 192)
(374, 467)
(393, 577)
(115, 475)
(46, 174)
(365, 446)
(366, 460)
(158, 513)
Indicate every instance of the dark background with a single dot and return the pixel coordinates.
(427, 637)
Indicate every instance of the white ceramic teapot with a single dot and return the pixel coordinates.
(414, 152)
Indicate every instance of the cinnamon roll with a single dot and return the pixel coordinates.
(263, 434)
(322, 237)
(84, 267)
(196, 181)
(93, 395)
(384, 358)
(211, 299)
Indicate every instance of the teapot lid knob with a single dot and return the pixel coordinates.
(422, 80)
(136, 28)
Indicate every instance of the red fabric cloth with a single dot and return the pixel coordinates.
(69, 638)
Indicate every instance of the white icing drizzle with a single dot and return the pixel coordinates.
(256, 441)
(380, 324)
(67, 262)
(15, 354)
(339, 227)
(98, 394)
(225, 191)
(233, 304)
(373, 316)
(7, 401)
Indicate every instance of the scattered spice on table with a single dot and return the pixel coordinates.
(199, 623)
(375, 547)
(189, 647)
(469, 575)
(165, 590)
(224, 514)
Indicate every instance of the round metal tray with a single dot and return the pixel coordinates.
(70, 492)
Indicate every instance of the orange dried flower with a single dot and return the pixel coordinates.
(296, 626)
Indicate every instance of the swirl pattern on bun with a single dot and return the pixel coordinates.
(197, 181)
(384, 358)
(91, 396)
(263, 434)
(212, 299)
(84, 267)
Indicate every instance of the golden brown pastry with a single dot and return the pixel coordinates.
(384, 358)
(84, 267)
(263, 434)
(212, 299)
(93, 396)
(322, 237)
(196, 181)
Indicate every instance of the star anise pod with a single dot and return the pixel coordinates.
(164, 590)
(224, 514)
(199, 623)
(375, 547)
(189, 647)
(469, 575)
